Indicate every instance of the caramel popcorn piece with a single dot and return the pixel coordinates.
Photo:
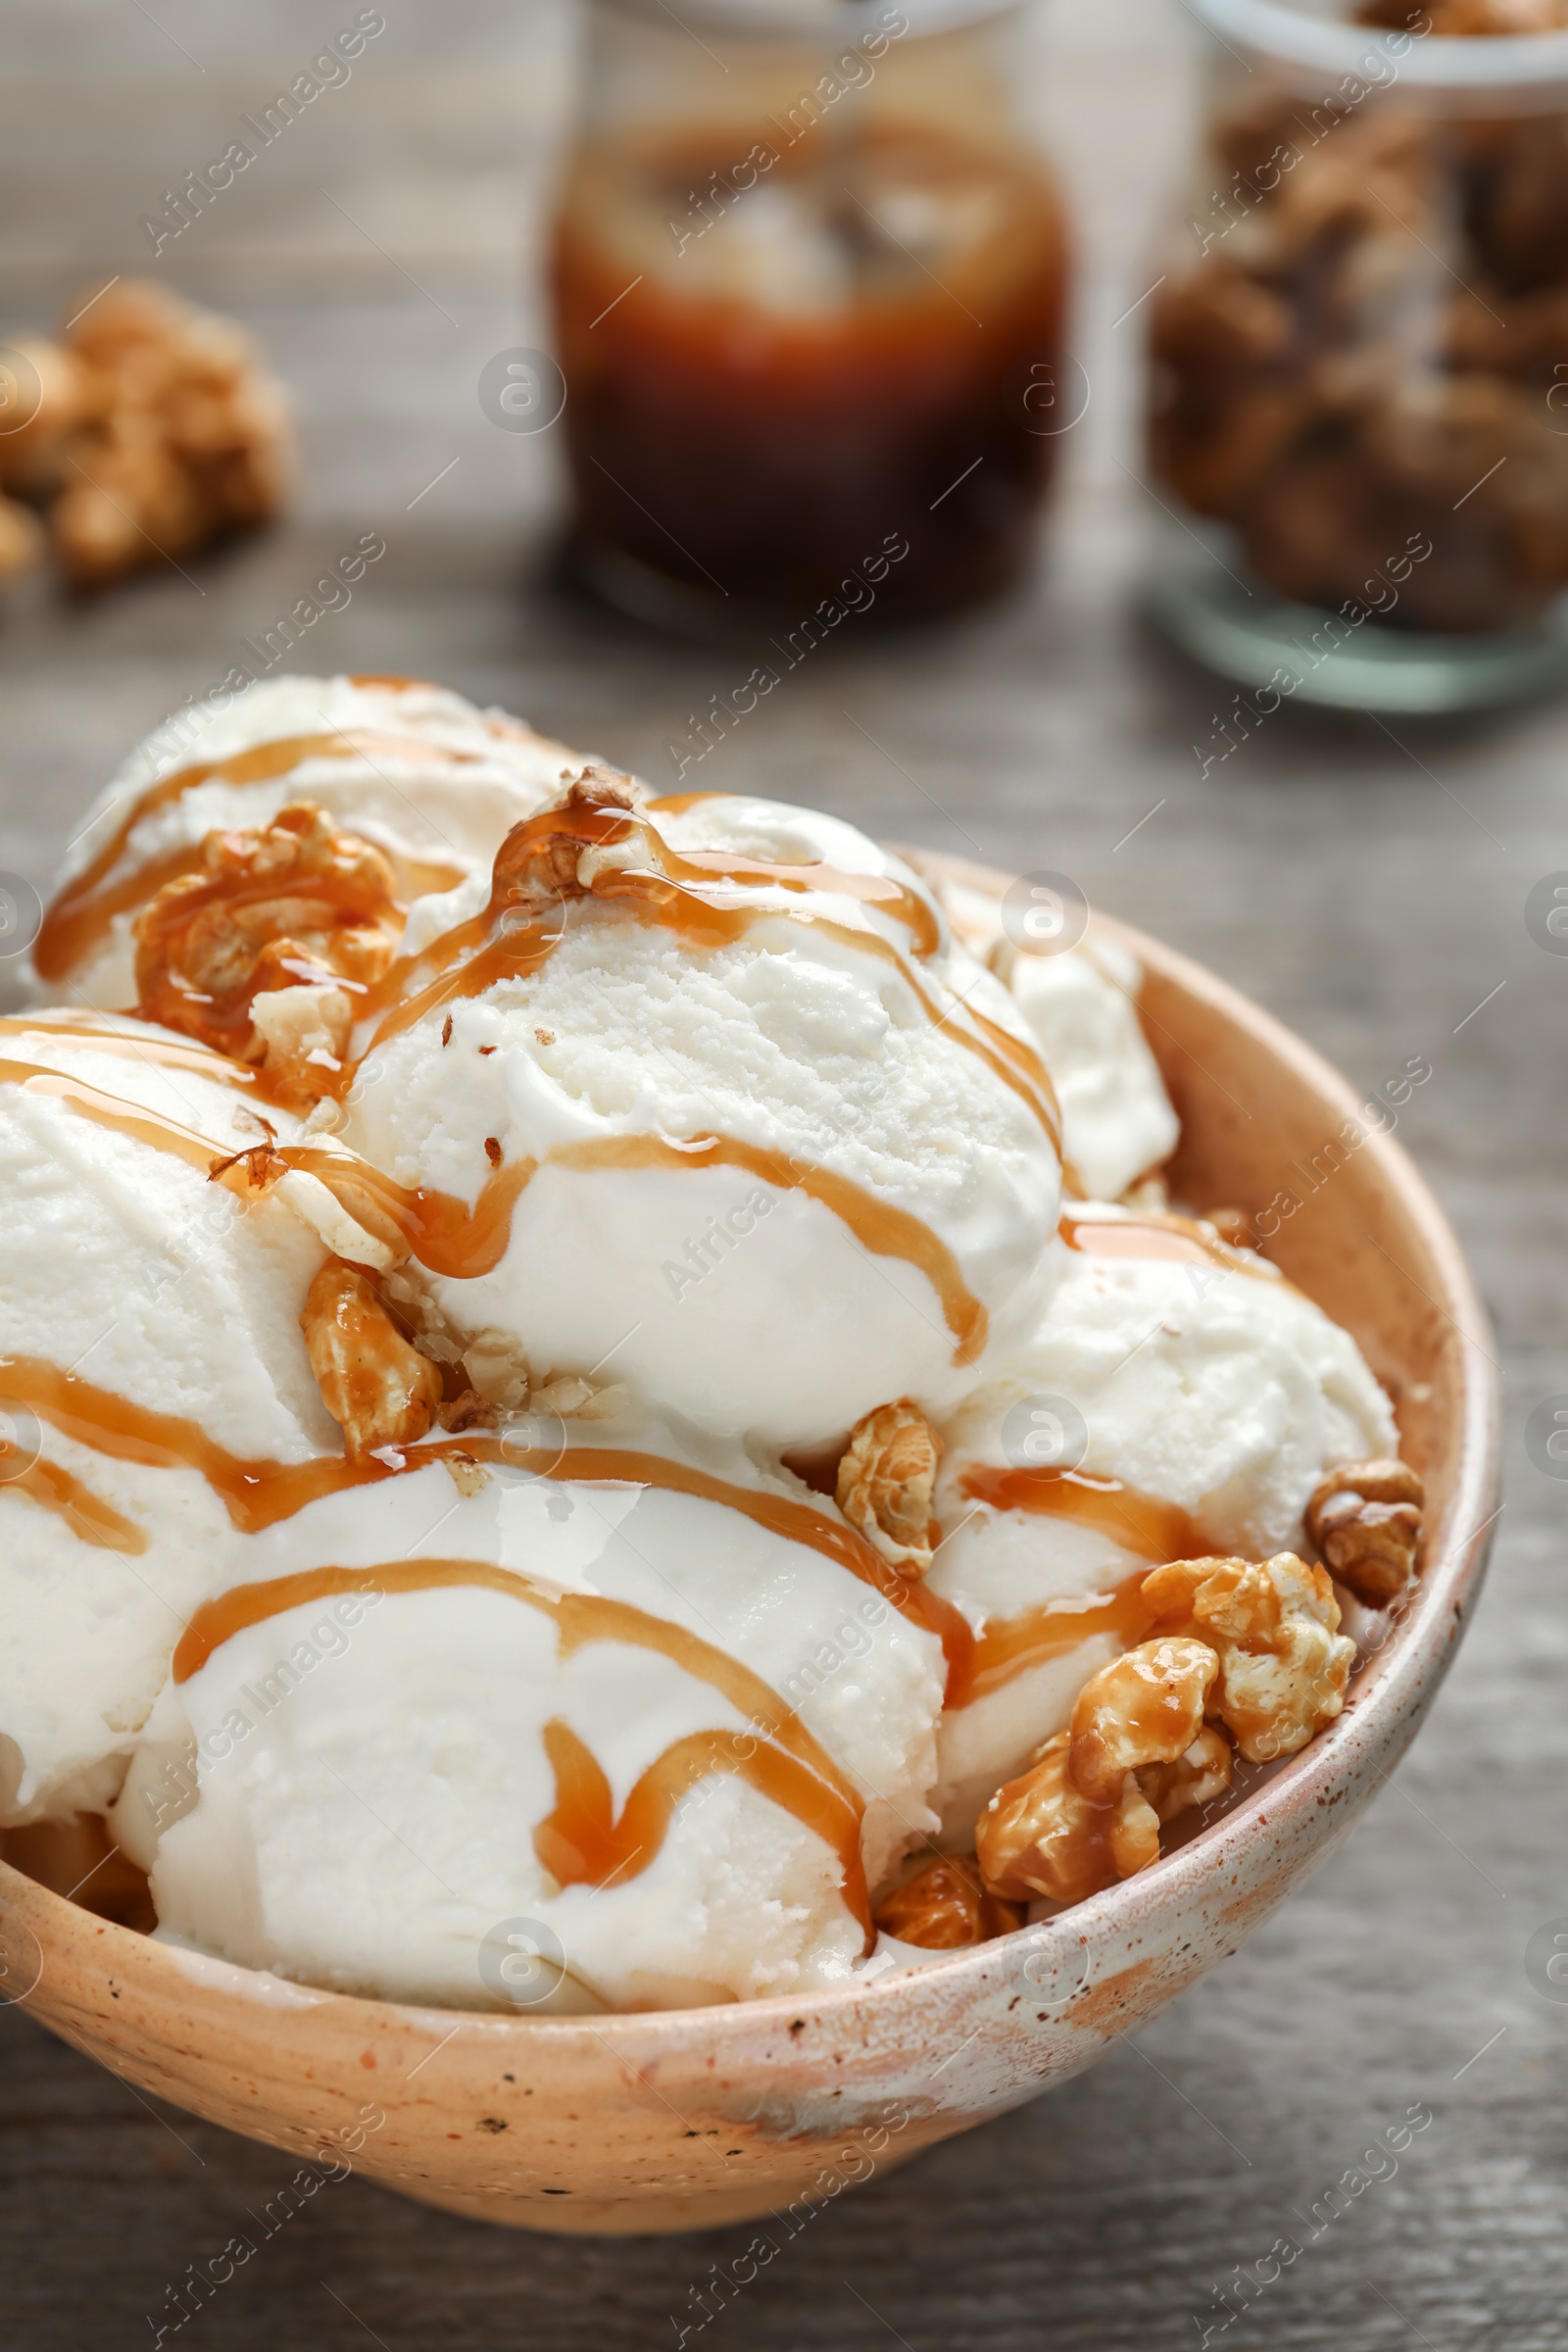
(186, 435)
(1195, 1777)
(885, 1482)
(1364, 1522)
(379, 1388)
(1274, 1626)
(1254, 1646)
(21, 539)
(1088, 1809)
(1146, 1708)
(300, 1029)
(1041, 1835)
(498, 1373)
(571, 1397)
(540, 863)
(53, 395)
(247, 954)
(128, 503)
(466, 1473)
(501, 1382)
(946, 1906)
(458, 1414)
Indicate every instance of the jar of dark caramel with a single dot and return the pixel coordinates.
(1359, 345)
(808, 281)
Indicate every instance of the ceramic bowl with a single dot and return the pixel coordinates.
(679, 2120)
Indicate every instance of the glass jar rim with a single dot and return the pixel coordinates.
(1429, 61)
(815, 21)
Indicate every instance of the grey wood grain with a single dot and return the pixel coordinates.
(1370, 891)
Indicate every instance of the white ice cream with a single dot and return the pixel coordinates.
(120, 1265)
(433, 780)
(1082, 1005)
(365, 1814)
(1209, 1384)
(742, 1306)
(764, 1183)
(1117, 1118)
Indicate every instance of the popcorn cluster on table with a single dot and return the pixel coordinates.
(146, 428)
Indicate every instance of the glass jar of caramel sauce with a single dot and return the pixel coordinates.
(1358, 346)
(809, 277)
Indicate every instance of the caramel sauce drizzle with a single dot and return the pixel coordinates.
(580, 1842)
(442, 1231)
(580, 1618)
(80, 915)
(676, 804)
(260, 1493)
(114, 1112)
(450, 1238)
(162, 1049)
(255, 1493)
(85, 1513)
(1158, 1233)
(1139, 1523)
(1010, 1646)
(675, 890)
(439, 1229)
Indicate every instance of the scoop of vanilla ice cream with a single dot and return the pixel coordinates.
(276, 707)
(742, 1300)
(997, 1565)
(1206, 1382)
(1082, 1005)
(1117, 1118)
(429, 778)
(122, 1266)
(372, 1767)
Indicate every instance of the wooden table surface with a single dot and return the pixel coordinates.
(1368, 889)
